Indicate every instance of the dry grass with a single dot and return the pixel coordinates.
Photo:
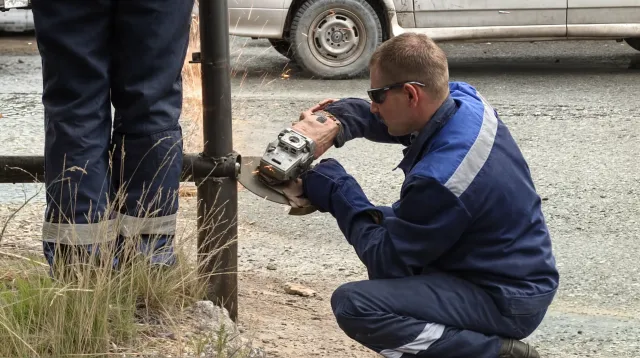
(90, 308)
(101, 311)
(97, 311)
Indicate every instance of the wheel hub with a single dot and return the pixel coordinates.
(338, 37)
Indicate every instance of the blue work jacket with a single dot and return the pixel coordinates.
(468, 205)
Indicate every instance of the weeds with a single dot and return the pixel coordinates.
(96, 310)
(90, 307)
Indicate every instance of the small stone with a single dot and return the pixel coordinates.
(271, 267)
(295, 289)
(210, 317)
(257, 353)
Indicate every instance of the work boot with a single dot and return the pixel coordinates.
(512, 348)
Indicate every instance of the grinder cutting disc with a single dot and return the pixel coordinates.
(249, 178)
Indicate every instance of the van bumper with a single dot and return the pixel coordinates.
(257, 22)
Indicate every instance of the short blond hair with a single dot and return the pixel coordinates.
(413, 57)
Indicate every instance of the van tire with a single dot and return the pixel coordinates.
(316, 53)
(633, 42)
(283, 47)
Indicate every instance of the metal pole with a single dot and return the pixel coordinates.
(217, 197)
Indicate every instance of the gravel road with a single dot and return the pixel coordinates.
(572, 106)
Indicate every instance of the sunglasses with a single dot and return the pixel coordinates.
(378, 95)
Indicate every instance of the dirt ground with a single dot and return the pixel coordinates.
(289, 326)
(12, 45)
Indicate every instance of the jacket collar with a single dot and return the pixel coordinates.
(420, 140)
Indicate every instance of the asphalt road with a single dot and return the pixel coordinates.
(571, 106)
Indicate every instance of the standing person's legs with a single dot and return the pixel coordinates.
(73, 39)
(434, 315)
(150, 44)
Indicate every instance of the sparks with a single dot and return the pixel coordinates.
(285, 74)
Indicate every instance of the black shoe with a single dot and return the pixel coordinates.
(512, 348)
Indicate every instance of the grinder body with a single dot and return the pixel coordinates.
(286, 158)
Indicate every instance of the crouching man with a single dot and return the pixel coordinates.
(462, 264)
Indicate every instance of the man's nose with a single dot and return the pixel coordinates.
(374, 108)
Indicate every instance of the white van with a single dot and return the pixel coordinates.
(18, 19)
(335, 38)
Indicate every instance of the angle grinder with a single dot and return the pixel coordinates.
(285, 159)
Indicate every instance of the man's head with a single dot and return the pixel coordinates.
(419, 72)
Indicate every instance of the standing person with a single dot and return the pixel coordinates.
(96, 54)
(462, 264)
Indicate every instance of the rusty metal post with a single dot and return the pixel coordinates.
(217, 197)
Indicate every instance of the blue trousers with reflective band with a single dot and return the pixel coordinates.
(430, 315)
(96, 54)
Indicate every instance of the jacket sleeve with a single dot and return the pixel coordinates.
(358, 122)
(416, 230)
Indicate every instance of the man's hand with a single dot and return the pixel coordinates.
(322, 134)
(294, 192)
(322, 105)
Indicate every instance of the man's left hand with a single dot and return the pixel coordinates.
(293, 190)
(322, 181)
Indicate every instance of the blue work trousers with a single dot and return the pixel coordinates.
(430, 315)
(112, 176)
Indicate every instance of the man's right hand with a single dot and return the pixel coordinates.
(322, 134)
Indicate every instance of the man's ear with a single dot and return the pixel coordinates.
(413, 95)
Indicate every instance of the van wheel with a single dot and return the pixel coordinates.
(282, 46)
(634, 42)
(335, 39)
